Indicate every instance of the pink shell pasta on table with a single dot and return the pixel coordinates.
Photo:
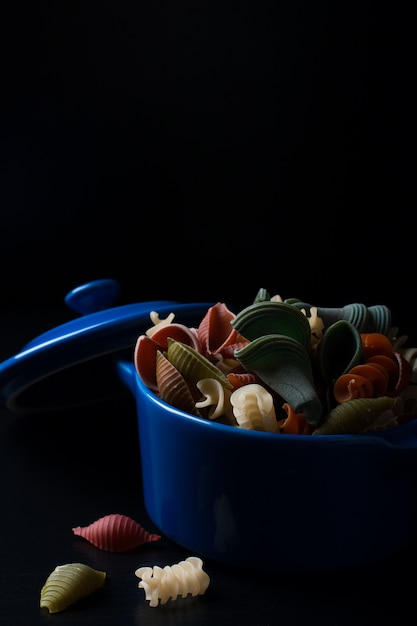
(115, 533)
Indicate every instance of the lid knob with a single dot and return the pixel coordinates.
(94, 296)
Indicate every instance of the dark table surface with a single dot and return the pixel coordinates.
(67, 468)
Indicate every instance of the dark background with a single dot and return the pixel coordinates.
(194, 151)
(201, 151)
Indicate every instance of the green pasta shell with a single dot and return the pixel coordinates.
(284, 365)
(172, 386)
(380, 319)
(339, 350)
(355, 313)
(354, 415)
(192, 365)
(268, 318)
(373, 319)
(69, 583)
(262, 296)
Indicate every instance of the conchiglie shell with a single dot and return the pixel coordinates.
(354, 416)
(144, 359)
(115, 533)
(283, 364)
(410, 354)
(405, 373)
(172, 386)
(270, 318)
(228, 352)
(355, 313)
(380, 319)
(192, 365)
(179, 332)
(263, 295)
(215, 330)
(340, 349)
(69, 583)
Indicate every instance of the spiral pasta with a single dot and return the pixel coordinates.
(253, 408)
(163, 583)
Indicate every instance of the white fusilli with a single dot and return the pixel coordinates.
(163, 583)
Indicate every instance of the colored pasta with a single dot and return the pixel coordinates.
(69, 583)
(115, 533)
(172, 581)
(302, 360)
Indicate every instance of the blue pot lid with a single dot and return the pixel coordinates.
(75, 363)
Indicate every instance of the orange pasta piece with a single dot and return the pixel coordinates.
(376, 373)
(294, 423)
(390, 365)
(350, 386)
(239, 379)
(376, 343)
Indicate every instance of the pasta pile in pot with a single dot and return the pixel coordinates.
(284, 367)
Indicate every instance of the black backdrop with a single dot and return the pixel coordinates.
(200, 150)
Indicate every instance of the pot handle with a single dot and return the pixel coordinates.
(126, 372)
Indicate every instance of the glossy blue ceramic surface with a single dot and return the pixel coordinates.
(74, 363)
(279, 502)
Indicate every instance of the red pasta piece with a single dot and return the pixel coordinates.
(144, 358)
(376, 343)
(239, 379)
(179, 332)
(405, 373)
(351, 386)
(115, 533)
(228, 352)
(215, 331)
(377, 374)
(294, 423)
(391, 366)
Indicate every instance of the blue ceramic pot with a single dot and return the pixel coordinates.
(278, 502)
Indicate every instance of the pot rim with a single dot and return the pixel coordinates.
(400, 436)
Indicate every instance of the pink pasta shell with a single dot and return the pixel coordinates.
(228, 352)
(144, 358)
(215, 330)
(405, 373)
(172, 386)
(115, 533)
(179, 332)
